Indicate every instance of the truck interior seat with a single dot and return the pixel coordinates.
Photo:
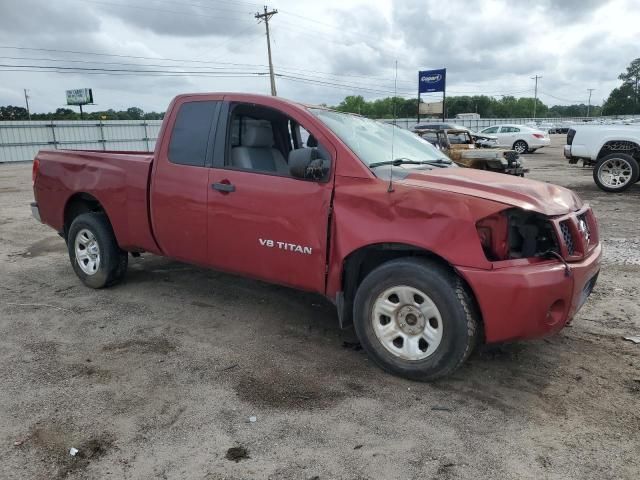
(256, 151)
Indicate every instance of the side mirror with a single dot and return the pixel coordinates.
(306, 164)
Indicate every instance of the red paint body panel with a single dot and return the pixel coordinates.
(172, 210)
(117, 180)
(260, 209)
(515, 301)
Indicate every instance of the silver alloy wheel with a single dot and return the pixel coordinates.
(87, 251)
(615, 173)
(520, 147)
(407, 322)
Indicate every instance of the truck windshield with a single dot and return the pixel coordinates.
(371, 140)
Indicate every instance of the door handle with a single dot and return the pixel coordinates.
(224, 187)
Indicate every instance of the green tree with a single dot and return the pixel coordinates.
(353, 104)
(13, 113)
(625, 99)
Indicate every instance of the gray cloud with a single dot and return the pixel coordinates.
(487, 46)
(182, 20)
(35, 16)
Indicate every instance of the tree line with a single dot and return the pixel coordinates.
(623, 100)
(12, 112)
(485, 106)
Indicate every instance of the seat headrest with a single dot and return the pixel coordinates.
(312, 142)
(256, 133)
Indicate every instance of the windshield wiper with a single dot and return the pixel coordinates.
(441, 162)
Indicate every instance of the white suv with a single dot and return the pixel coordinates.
(613, 149)
(520, 138)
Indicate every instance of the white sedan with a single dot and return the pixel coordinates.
(520, 138)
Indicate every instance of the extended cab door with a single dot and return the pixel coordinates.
(180, 182)
(263, 222)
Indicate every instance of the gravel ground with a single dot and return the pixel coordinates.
(158, 377)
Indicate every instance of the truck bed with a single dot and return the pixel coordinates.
(117, 180)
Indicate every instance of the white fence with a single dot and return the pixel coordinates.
(21, 140)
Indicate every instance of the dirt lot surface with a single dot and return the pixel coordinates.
(159, 376)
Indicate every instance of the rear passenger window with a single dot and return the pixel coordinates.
(191, 131)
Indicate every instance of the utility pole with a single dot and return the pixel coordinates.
(26, 99)
(535, 98)
(589, 103)
(266, 16)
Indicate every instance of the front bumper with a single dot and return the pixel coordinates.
(529, 301)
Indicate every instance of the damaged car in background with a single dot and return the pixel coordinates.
(482, 140)
(460, 146)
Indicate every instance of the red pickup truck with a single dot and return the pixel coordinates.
(424, 259)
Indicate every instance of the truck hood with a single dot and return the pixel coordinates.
(545, 198)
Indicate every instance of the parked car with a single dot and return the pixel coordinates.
(423, 259)
(460, 147)
(614, 150)
(520, 138)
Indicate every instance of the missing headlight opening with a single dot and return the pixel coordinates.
(516, 233)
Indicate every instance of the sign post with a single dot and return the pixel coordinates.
(430, 81)
(80, 97)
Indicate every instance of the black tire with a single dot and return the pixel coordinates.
(621, 161)
(456, 306)
(113, 262)
(520, 146)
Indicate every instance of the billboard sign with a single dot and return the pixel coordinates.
(434, 108)
(79, 96)
(432, 80)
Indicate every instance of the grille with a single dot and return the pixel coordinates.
(568, 239)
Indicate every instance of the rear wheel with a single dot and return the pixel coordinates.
(415, 318)
(93, 251)
(616, 172)
(521, 147)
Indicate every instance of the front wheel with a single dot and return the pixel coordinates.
(521, 147)
(93, 251)
(415, 318)
(616, 172)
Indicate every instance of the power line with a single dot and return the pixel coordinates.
(562, 99)
(142, 73)
(56, 67)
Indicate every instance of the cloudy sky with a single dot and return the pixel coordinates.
(143, 52)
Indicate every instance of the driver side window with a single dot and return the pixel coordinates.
(490, 130)
(263, 140)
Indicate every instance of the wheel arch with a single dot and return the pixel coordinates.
(619, 146)
(77, 204)
(360, 262)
